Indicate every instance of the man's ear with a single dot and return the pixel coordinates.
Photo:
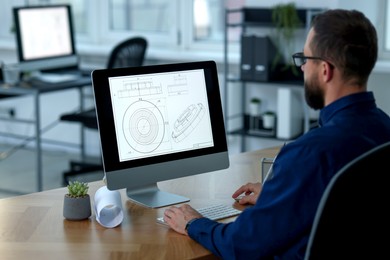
(327, 71)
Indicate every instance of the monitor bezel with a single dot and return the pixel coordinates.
(69, 60)
(105, 116)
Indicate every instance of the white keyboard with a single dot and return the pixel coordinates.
(214, 212)
(56, 78)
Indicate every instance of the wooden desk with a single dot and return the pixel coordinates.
(35, 89)
(32, 226)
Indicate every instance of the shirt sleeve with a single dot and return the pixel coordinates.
(272, 226)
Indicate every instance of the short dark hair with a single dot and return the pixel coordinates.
(348, 40)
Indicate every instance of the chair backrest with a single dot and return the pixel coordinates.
(352, 219)
(129, 53)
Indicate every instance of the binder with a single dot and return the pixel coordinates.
(257, 54)
(247, 61)
(264, 54)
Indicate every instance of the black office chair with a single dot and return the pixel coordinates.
(352, 220)
(129, 53)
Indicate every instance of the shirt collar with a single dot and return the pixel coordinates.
(327, 112)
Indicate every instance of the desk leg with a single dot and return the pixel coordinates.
(82, 132)
(38, 141)
(243, 109)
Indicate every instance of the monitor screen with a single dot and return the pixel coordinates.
(44, 37)
(159, 123)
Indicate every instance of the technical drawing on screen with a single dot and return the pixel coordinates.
(159, 123)
(143, 115)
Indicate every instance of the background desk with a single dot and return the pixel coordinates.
(36, 89)
(32, 226)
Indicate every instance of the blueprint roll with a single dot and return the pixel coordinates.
(108, 207)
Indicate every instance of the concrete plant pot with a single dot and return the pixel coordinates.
(77, 208)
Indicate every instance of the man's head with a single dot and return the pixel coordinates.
(348, 40)
(344, 43)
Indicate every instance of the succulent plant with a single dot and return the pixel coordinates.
(77, 189)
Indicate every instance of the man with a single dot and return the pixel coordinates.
(338, 57)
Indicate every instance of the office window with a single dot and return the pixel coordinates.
(387, 28)
(383, 29)
(156, 20)
(79, 8)
(174, 24)
(6, 28)
(80, 14)
(209, 19)
(141, 15)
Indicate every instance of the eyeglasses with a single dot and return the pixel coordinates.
(300, 59)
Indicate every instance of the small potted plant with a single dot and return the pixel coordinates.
(254, 106)
(77, 203)
(269, 119)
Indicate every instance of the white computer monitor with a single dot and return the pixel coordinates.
(44, 37)
(158, 123)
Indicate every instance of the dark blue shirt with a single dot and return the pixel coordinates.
(278, 226)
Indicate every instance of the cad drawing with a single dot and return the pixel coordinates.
(143, 126)
(187, 121)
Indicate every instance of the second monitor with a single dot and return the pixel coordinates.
(159, 123)
(45, 38)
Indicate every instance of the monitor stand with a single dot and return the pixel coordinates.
(153, 197)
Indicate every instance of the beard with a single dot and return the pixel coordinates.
(313, 93)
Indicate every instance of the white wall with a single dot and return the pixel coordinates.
(379, 84)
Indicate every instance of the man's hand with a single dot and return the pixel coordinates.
(177, 217)
(251, 192)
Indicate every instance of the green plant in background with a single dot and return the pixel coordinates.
(286, 21)
(270, 113)
(77, 189)
(255, 100)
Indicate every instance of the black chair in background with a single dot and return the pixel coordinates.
(129, 53)
(352, 219)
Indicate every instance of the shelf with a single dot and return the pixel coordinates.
(280, 82)
(255, 133)
(262, 17)
(254, 128)
(258, 17)
(265, 133)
